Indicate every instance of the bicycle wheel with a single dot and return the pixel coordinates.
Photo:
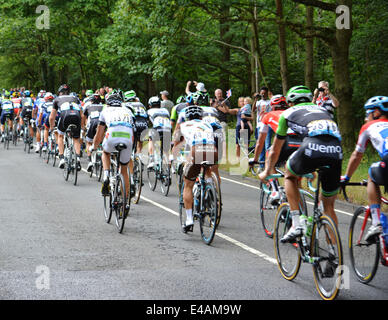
(165, 177)
(48, 153)
(326, 247)
(364, 256)
(55, 154)
(14, 135)
(182, 211)
(208, 218)
(73, 172)
(287, 254)
(267, 211)
(219, 198)
(120, 201)
(152, 177)
(108, 207)
(137, 178)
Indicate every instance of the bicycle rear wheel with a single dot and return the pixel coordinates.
(73, 166)
(120, 201)
(108, 207)
(287, 254)
(165, 177)
(152, 178)
(182, 211)
(326, 246)
(208, 218)
(364, 256)
(137, 179)
(219, 198)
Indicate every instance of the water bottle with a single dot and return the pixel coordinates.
(384, 224)
(309, 226)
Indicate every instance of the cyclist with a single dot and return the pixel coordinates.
(42, 116)
(7, 111)
(181, 104)
(27, 104)
(70, 109)
(198, 137)
(35, 115)
(161, 128)
(321, 146)
(118, 122)
(90, 120)
(375, 131)
(47, 108)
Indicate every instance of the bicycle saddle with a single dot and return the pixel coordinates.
(120, 147)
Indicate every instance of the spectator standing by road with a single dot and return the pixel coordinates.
(262, 106)
(324, 98)
(222, 107)
(166, 103)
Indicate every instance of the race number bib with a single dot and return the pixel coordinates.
(94, 114)
(162, 122)
(323, 127)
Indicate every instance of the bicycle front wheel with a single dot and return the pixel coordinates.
(152, 179)
(326, 249)
(208, 218)
(364, 256)
(287, 254)
(267, 211)
(165, 177)
(120, 202)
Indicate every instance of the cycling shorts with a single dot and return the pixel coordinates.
(67, 118)
(378, 172)
(115, 136)
(92, 130)
(45, 116)
(141, 124)
(7, 114)
(291, 145)
(26, 113)
(199, 153)
(47, 122)
(317, 152)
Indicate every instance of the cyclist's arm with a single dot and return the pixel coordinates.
(260, 145)
(354, 162)
(99, 135)
(52, 117)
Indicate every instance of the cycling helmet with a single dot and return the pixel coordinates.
(41, 93)
(201, 99)
(130, 96)
(15, 94)
(154, 102)
(278, 102)
(181, 99)
(95, 98)
(193, 112)
(114, 98)
(27, 93)
(48, 96)
(378, 102)
(89, 93)
(299, 94)
(64, 88)
(7, 94)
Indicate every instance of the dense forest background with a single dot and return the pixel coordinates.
(152, 45)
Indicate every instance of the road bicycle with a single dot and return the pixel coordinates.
(138, 168)
(7, 134)
(97, 163)
(365, 255)
(27, 139)
(117, 199)
(71, 162)
(159, 171)
(206, 204)
(15, 131)
(269, 205)
(52, 148)
(320, 246)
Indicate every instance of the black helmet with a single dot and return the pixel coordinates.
(201, 99)
(193, 112)
(95, 98)
(115, 98)
(64, 88)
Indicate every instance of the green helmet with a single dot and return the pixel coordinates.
(181, 99)
(299, 94)
(89, 93)
(7, 94)
(129, 96)
(201, 98)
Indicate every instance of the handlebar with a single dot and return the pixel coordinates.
(364, 183)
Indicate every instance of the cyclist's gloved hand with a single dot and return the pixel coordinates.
(252, 162)
(344, 179)
(91, 148)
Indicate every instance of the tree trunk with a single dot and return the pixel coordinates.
(282, 47)
(309, 63)
(225, 50)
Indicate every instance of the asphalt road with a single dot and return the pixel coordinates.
(55, 244)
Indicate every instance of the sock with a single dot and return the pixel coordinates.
(106, 174)
(45, 144)
(61, 156)
(189, 216)
(273, 185)
(295, 218)
(375, 211)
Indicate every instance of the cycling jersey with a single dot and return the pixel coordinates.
(119, 123)
(176, 110)
(160, 118)
(7, 111)
(377, 132)
(308, 120)
(140, 117)
(197, 132)
(27, 107)
(16, 104)
(70, 109)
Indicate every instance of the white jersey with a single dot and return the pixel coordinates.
(119, 121)
(197, 132)
(160, 118)
(377, 133)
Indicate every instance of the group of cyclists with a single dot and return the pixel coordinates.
(307, 138)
